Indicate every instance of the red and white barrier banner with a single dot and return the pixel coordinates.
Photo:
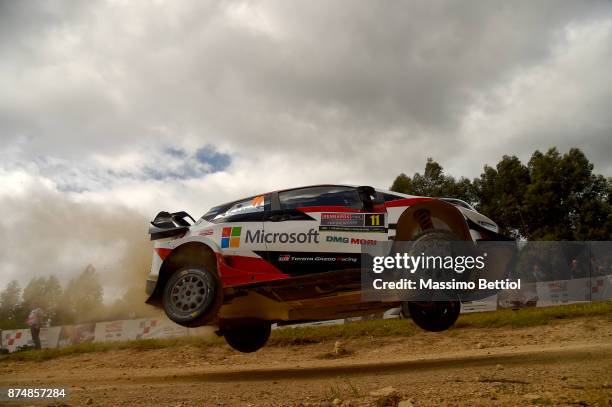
(486, 304)
(145, 328)
(527, 296)
(159, 328)
(13, 339)
(601, 288)
(49, 337)
(123, 330)
(75, 334)
(573, 291)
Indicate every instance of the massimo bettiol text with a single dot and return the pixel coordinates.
(474, 270)
(450, 264)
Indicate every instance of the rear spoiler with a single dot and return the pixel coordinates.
(168, 224)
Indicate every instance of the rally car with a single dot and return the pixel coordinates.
(293, 256)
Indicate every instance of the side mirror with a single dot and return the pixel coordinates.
(378, 201)
(369, 197)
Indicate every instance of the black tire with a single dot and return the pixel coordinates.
(247, 337)
(435, 316)
(431, 234)
(192, 296)
(440, 242)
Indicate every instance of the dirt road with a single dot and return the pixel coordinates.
(568, 362)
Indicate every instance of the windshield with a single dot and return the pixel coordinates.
(212, 213)
(249, 208)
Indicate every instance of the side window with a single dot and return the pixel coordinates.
(247, 209)
(390, 197)
(320, 196)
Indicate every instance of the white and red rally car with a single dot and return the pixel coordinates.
(293, 256)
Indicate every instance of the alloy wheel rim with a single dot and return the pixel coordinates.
(189, 293)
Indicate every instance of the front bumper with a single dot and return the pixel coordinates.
(150, 286)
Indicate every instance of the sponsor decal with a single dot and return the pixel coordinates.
(206, 232)
(349, 240)
(284, 257)
(374, 219)
(319, 259)
(260, 236)
(230, 237)
(353, 222)
(258, 201)
(342, 219)
(250, 206)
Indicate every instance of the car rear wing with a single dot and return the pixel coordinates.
(168, 224)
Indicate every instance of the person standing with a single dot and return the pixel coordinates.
(34, 321)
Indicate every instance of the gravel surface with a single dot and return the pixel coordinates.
(568, 362)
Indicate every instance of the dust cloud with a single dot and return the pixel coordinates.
(45, 232)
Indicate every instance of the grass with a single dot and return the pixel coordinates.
(394, 327)
(137, 345)
(533, 316)
(363, 329)
(336, 391)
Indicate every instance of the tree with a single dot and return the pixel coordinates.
(10, 303)
(82, 300)
(402, 184)
(553, 197)
(34, 296)
(565, 200)
(433, 182)
(500, 194)
(44, 293)
(53, 297)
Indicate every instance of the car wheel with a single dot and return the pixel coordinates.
(443, 243)
(247, 337)
(191, 296)
(434, 316)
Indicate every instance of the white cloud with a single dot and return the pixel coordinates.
(561, 102)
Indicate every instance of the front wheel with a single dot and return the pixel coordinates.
(192, 296)
(434, 316)
(248, 336)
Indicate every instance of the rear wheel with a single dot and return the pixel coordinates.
(434, 316)
(192, 296)
(248, 336)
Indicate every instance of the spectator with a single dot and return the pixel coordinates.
(538, 273)
(575, 269)
(34, 321)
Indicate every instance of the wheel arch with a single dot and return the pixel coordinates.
(192, 253)
(431, 214)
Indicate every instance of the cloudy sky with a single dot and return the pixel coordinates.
(113, 110)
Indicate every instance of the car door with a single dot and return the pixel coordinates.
(237, 221)
(320, 229)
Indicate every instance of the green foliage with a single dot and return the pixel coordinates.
(553, 197)
(500, 194)
(402, 184)
(10, 305)
(433, 182)
(83, 299)
(44, 293)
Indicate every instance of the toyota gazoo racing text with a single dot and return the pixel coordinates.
(294, 256)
